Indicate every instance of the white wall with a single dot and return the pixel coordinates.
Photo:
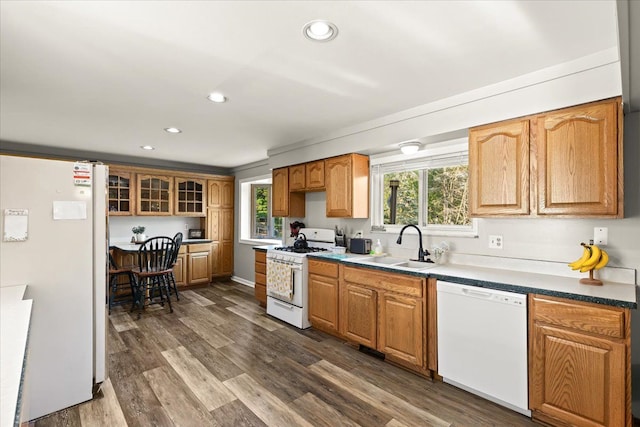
(120, 226)
(243, 253)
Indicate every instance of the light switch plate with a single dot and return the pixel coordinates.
(600, 235)
(495, 241)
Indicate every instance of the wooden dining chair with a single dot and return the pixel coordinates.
(172, 277)
(152, 274)
(119, 292)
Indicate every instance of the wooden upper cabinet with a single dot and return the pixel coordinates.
(154, 195)
(297, 178)
(307, 176)
(314, 175)
(190, 197)
(579, 161)
(121, 192)
(347, 184)
(499, 169)
(220, 193)
(564, 163)
(283, 202)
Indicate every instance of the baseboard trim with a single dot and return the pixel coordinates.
(243, 281)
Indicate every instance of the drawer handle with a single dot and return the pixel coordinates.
(287, 306)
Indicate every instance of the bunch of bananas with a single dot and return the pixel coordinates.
(593, 258)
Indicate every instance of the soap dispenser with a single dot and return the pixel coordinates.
(377, 249)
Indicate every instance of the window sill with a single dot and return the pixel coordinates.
(260, 242)
(395, 229)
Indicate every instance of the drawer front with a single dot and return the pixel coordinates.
(328, 269)
(580, 316)
(398, 283)
(261, 268)
(199, 247)
(261, 278)
(261, 256)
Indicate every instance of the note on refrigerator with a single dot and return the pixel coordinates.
(72, 209)
(16, 224)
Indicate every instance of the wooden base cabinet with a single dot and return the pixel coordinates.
(198, 263)
(180, 269)
(386, 312)
(261, 277)
(579, 363)
(400, 327)
(323, 295)
(359, 317)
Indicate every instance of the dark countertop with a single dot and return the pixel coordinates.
(610, 293)
(133, 247)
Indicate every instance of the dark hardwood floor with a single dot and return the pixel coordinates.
(219, 360)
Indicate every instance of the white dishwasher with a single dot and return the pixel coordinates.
(482, 343)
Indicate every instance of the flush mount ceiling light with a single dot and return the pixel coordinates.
(409, 147)
(172, 130)
(217, 97)
(320, 30)
(147, 147)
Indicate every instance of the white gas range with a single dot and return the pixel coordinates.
(287, 275)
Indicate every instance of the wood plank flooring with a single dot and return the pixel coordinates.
(219, 360)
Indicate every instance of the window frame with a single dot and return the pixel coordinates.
(246, 217)
(448, 153)
(270, 219)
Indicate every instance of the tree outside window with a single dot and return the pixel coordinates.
(433, 196)
(263, 226)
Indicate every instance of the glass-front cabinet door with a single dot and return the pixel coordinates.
(155, 195)
(121, 192)
(190, 197)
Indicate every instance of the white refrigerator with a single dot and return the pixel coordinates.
(54, 240)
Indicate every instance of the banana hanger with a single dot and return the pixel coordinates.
(590, 280)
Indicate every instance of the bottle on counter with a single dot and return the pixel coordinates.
(377, 249)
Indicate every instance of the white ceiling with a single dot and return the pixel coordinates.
(108, 76)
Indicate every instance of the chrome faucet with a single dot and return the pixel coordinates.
(422, 254)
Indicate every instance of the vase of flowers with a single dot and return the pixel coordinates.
(138, 233)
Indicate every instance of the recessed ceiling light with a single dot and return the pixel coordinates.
(320, 30)
(147, 147)
(409, 147)
(173, 130)
(217, 97)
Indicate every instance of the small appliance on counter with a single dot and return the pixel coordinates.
(196, 233)
(295, 228)
(360, 246)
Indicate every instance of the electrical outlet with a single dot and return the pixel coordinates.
(600, 235)
(186, 226)
(495, 241)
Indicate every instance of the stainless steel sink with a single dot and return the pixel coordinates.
(393, 262)
(387, 260)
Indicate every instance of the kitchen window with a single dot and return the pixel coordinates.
(263, 225)
(256, 223)
(430, 189)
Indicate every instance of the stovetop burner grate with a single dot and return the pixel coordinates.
(299, 250)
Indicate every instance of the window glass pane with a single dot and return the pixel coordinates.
(261, 212)
(448, 198)
(406, 197)
(277, 227)
(264, 226)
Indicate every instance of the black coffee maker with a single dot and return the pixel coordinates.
(295, 228)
